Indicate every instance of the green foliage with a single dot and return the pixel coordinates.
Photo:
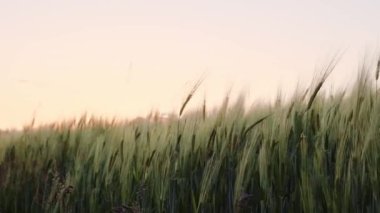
(315, 155)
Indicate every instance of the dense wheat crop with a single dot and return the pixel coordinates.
(314, 153)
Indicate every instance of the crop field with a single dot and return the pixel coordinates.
(311, 153)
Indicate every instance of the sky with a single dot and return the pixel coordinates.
(125, 58)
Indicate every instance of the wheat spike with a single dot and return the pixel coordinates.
(199, 82)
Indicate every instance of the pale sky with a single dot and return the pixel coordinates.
(59, 59)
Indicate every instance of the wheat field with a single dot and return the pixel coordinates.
(313, 153)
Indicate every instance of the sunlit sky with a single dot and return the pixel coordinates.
(59, 59)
